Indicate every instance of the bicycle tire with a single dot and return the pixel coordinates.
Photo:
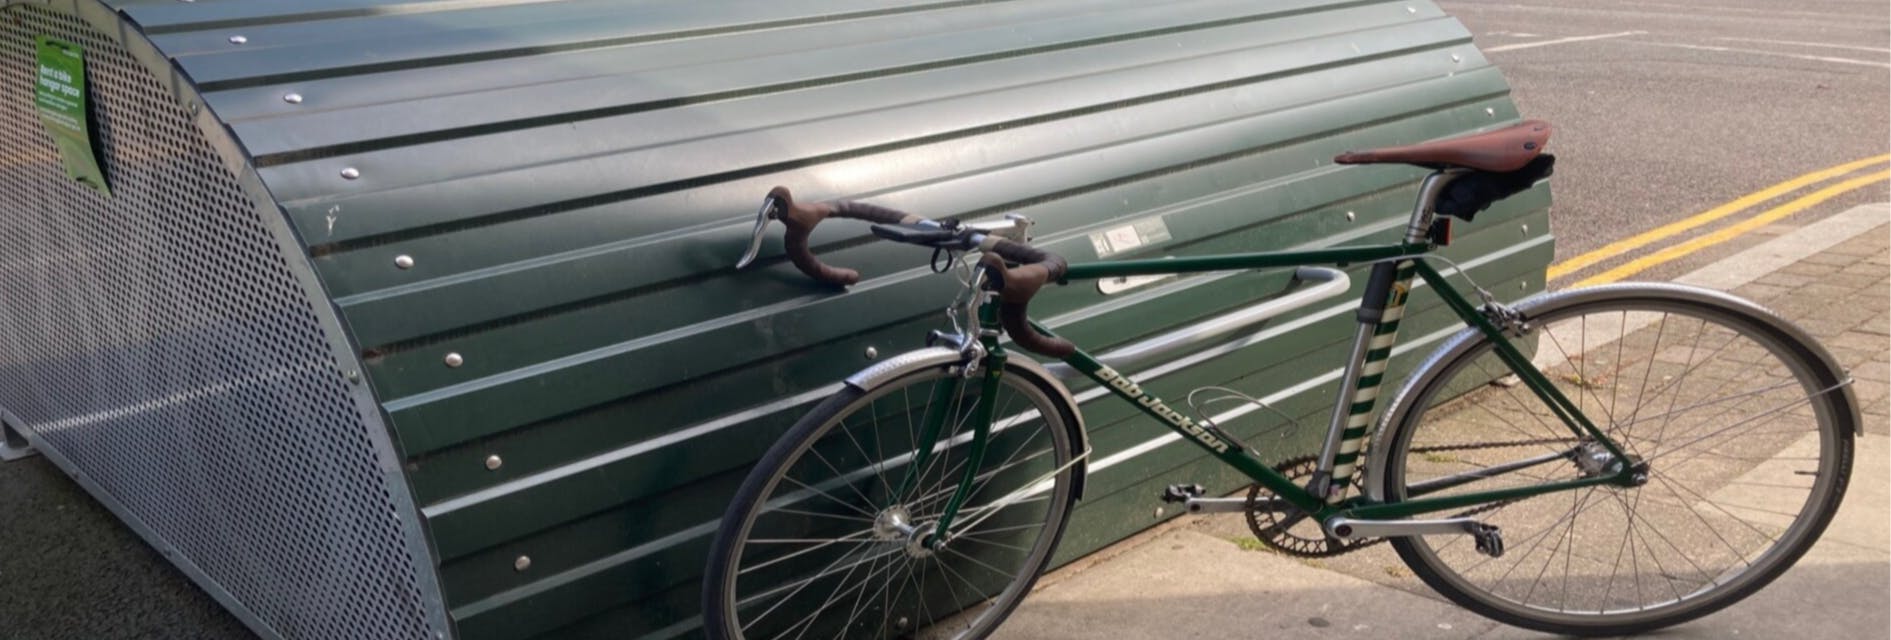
(913, 592)
(1726, 492)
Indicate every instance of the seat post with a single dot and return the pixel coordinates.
(1428, 192)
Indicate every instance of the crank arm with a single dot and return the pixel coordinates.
(1354, 529)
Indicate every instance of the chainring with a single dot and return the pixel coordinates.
(1289, 529)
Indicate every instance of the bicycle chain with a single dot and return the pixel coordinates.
(1275, 528)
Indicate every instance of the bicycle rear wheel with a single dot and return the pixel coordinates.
(1746, 431)
(827, 536)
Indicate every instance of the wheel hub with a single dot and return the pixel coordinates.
(1593, 460)
(894, 523)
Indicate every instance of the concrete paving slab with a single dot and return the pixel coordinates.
(1187, 584)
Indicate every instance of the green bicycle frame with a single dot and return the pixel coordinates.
(1127, 389)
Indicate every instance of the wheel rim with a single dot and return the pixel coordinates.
(833, 548)
(1739, 438)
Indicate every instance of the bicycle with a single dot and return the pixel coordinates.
(926, 497)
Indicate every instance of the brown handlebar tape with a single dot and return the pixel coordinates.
(800, 219)
(1016, 287)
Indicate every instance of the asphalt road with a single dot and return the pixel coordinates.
(1699, 105)
(1661, 123)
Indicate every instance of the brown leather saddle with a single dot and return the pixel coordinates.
(1501, 151)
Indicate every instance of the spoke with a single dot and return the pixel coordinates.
(1621, 336)
(1677, 550)
(958, 426)
(940, 497)
(797, 587)
(906, 578)
(1568, 535)
(1769, 485)
(1002, 572)
(1634, 556)
(806, 551)
(836, 595)
(1641, 394)
(945, 578)
(842, 476)
(1709, 525)
(816, 514)
(1615, 567)
(988, 476)
(814, 541)
(827, 495)
(878, 461)
(1730, 427)
(1660, 569)
(979, 538)
(957, 600)
(1525, 409)
(1547, 529)
(1676, 490)
(858, 608)
(1680, 381)
(986, 532)
(1709, 403)
(912, 435)
(919, 587)
(1582, 364)
(1700, 423)
(980, 487)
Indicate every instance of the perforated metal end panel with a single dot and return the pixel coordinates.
(158, 344)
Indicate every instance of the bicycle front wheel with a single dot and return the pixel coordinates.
(1744, 428)
(829, 536)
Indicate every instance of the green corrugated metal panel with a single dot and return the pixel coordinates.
(571, 178)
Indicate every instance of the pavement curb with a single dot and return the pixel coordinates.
(1772, 255)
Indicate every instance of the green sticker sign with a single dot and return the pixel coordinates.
(59, 94)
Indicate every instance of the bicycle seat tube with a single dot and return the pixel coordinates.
(1379, 313)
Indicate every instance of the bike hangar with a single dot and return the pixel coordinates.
(418, 319)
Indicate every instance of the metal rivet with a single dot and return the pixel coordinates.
(454, 360)
(350, 173)
(292, 98)
(1526, 229)
(353, 375)
(872, 353)
(1411, 9)
(493, 462)
(238, 39)
(404, 262)
(1158, 513)
(523, 563)
(1350, 216)
(1490, 112)
(1456, 58)
(1523, 285)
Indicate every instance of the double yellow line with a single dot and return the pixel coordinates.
(1742, 204)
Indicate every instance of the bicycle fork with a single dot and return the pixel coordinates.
(989, 369)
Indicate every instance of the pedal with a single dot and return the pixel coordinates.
(1176, 493)
(1489, 540)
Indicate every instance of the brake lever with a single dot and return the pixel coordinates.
(770, 207)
